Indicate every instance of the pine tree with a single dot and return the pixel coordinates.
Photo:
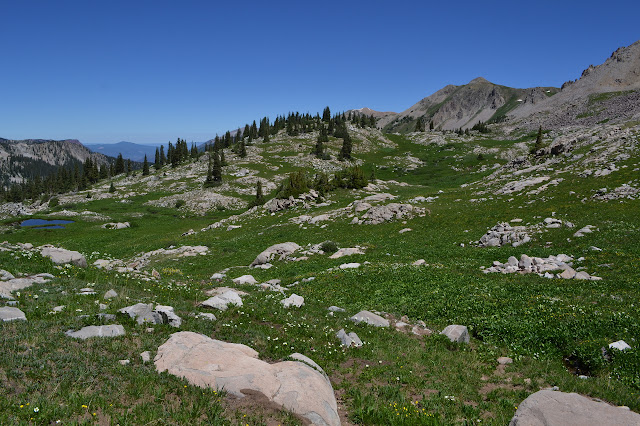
(112, 188)
(419, 125)
(145, 167)
(163, 158)
(345, 152)
(243, 149)
(119, 165)
(323, 137)
(223, 160)
(157, 160)
(538, 144)
(326, 115)
(216, 170)
(129, 167)
(431, 125)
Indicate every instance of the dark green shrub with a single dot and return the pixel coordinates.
(180, 203)
(329, 247)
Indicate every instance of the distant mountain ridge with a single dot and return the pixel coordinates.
(24, 159)
(133, 151)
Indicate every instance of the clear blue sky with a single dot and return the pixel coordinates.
(153, 71)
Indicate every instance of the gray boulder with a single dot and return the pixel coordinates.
(547, 407)
(245, 279)
(349, 340)
(370, 318)
(168, 316)
(456, 333)
(276, 251)
(110, 294)
(8, 313)
(113, 330)
(143, 313)
(347, 251)
(235, 368)
(61, 256)
(222, 301)
(5, 275)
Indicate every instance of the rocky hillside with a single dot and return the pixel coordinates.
(23, 159)
(609, 91)
(461, 107)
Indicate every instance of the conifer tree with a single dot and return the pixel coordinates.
(216, 170)
(243, 149)
(223, 160)
(345, 152)
(326, 115)
(431, 125)
(163, 158)
(129, 167)
(145, 167)
(119, 165)
(157, 160)
(323, 137)
(419, 125)
(538, 144)
(112, 188)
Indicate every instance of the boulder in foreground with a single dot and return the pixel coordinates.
(206, 362)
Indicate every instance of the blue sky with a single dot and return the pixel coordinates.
(153, 71)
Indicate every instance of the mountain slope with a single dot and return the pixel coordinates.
(608, 91)
(22, 159)
(455, 107)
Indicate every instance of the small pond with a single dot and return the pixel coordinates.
(45, 223)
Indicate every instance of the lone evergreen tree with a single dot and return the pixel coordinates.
(112, 188)
(323, 137)
(145, 167)
(156, 164)
(419, 125)
(216, 170)
(345, 152)
(538, 144)
(243, 149)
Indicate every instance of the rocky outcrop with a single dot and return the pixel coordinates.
(548, 407)
(236, 369)
(8, 313)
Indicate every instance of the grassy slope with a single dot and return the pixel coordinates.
(395, 378)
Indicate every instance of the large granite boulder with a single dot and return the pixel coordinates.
(236, 369)
(547, 407)
(62, 256)
(279, 251)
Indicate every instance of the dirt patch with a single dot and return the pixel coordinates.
(490, 387)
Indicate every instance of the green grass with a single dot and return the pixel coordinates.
(551, 328)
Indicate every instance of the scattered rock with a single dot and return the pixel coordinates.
(348, 251)
(207, 315)
(620, 345)
(419, 262)
(402, 231)
(349, 340)
(370, 318)
(233, 368)
(222, 301)
(456, 333)
(62, 256)
(293, 300)
(8, 313)
(124, 362)
(116, 225)
(503, 234)
(280, 251)
(143, 313)
(586, 230)
(113, 330)
(146, 356)
(548, 407)
(5, 275)
(168, 315)
(350, 265)
(336, 309)
(504, 360)
(245, 279)
(110, 294)
(217, 276)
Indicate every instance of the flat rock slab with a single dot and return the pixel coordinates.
(348, 251)
(370, 318)
(231, 367)
(15, 284)
(113, 330)
(8, 313)
(456, 333)
(62, 256)
(547, 407)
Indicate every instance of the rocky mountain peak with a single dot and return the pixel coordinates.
(479, 80)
